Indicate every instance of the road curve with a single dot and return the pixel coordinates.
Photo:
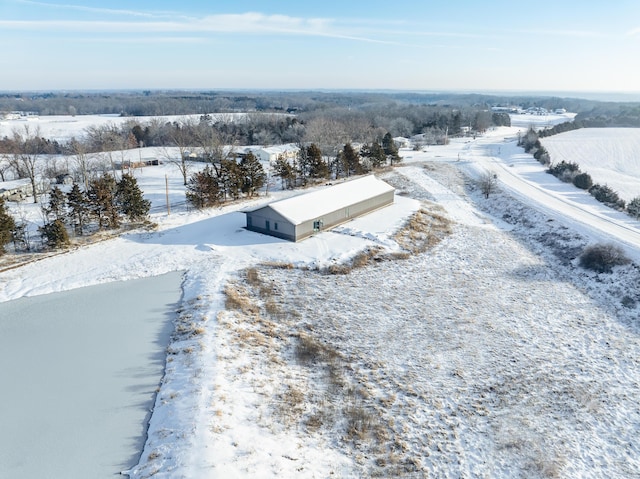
(599, 222)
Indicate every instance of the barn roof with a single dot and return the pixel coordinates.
(14, 184)
(305, 207)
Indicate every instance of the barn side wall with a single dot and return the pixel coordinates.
(267, 221)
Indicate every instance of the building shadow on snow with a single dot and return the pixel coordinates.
(224, 230)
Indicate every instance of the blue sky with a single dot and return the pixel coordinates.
(559, 45)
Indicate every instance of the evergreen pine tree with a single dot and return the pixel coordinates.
(129, 199)
(302, 166)
(230, 179)
(378, 156)
(351, 160)
(285, 171)
(390, 149)
(101, 196)
(339, 164)
(55, 234)
(202, 189)
(7, 225)
(79, 208)
(57, 206)
(317, 166)
(456, 124)
(252, 173)
(21, 238)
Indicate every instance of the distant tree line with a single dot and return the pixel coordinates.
(186, 102)
(226, 178)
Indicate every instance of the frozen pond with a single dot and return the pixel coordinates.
(78, 377)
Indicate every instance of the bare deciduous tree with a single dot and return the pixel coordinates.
(488, 183)
(25, 159)
(5, 166)
(211, 147)
(81, 159)
(181, 137)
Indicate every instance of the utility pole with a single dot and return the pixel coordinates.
(166, 188)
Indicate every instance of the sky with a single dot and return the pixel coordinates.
(467, 45)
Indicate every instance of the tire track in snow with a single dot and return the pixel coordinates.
(457, 208)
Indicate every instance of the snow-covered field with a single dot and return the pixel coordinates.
(65, 127)
(491, 354)
(610, 155)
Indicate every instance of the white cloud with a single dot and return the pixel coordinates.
(102, 11)
(564, 33)
(244, 23)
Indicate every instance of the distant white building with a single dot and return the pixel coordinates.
(16, 190)
(402, 142)
(536, 110)
(270, 154)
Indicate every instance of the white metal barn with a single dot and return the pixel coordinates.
(16, 190)
(299, 217)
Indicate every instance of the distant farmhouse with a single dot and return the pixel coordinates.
(402, 142)
(299, 217)
(265, 154)
(271, 153)
(16, 190)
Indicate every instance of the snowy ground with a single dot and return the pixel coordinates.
(490, 355)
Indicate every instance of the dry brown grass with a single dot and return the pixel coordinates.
(360, 421)
(330, 395)
(290, 404)
(253, 278)
(273, 308)
(250, 338)
(425, 229)
(362, 259)
(338, 269)
(278, 265)
(238, 298)
(309, 351)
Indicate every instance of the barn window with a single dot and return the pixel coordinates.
(249, 222)
(267, 225)
(275, 226)
(317, 225)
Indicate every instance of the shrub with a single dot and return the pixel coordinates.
(583, 181)
(55, 234)
(605, 194)
(602, 257)
(529, 140)
(560, 169)
(542, 155)
(633, 208)
(567, 176)
(7, 225)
